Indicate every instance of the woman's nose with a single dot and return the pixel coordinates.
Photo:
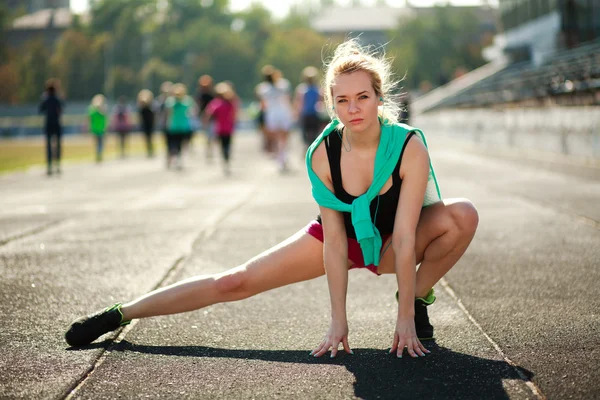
(352, 107)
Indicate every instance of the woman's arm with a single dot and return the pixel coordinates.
(414, 172)
(335, 256)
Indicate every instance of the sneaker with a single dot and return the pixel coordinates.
(85, 330)
(422, 325)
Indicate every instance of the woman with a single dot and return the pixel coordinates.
(180, 108)
(278, 112)
(121, 123)
(146, 117)
(223, 109)
(98, 122)
(436, 236)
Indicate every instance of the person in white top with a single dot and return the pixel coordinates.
(275, 95)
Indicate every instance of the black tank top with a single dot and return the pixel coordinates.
(383, 207)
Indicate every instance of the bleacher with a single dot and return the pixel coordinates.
(569, 77)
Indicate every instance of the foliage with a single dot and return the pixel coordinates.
(431, 48)
(127, 45)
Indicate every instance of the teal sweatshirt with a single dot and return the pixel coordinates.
(389, 149)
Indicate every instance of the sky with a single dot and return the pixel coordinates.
(279, 8)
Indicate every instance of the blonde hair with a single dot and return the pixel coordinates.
(225, 90)
(145, 97)
(179, 90)
(351, 57)
(166, 87)
(99, 102)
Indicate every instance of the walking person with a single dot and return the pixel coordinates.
(52, 106)
(98, 119)
(180, 108)
(204, 95)
(162, 115)
(121, 123)
(307, 99)
(268, 140)
(146, 114)
(276, 97)
(223, 110)
(366, 220)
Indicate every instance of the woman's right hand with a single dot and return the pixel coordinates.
(336, 334)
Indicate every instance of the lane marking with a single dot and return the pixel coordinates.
(206, 232)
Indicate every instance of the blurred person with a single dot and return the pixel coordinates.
(275, 94)
(223, 110)
(268, 142)
(98, 119)
(52, 106)
(121, 123)
(386, 215)
(165, 92)
(147, 116)
(179, 113)
(306, 101)
(204, 95)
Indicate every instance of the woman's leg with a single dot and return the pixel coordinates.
(444, 232)
(299, 258)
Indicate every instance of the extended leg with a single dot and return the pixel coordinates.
(297, 259)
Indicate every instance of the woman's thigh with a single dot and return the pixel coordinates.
(299, 258)
(434, 221)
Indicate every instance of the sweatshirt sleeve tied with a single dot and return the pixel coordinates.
(390, 146)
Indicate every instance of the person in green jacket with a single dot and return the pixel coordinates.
(180, 110)
(386, 216)
(98, 119)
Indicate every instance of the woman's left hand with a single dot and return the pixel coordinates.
(406, 336)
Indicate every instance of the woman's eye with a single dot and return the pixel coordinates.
(341, 101)
(364, 96)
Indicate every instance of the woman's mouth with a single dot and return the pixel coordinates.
(356, 121)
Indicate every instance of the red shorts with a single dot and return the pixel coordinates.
(315, 229)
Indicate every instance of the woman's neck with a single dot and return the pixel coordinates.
(366, 140)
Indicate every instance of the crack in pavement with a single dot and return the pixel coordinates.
(207, 231)
(32, 232)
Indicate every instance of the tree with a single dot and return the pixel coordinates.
(431, 47)
(33, 70)
(292, 50)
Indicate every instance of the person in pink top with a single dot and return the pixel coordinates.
(223, 111)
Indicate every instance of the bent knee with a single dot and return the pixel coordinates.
(465, 216)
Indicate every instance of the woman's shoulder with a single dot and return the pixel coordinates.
(320, 161)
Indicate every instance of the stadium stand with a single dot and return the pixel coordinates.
(569, 77)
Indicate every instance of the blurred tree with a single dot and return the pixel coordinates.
(155, 71)
(124, 82)
(70, 61)
(33, 69)
(9, 89)
(4, 23)
(431, 47)
(292, 50)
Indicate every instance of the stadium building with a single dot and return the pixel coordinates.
(540, 89)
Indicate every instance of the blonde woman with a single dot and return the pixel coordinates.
(398, 228)
(98, 119)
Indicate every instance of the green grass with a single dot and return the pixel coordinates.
(21, 154)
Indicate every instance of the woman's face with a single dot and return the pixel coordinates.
(355, 101)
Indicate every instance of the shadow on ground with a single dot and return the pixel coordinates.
(442, 374)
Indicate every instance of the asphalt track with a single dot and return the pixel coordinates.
(517, 318)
